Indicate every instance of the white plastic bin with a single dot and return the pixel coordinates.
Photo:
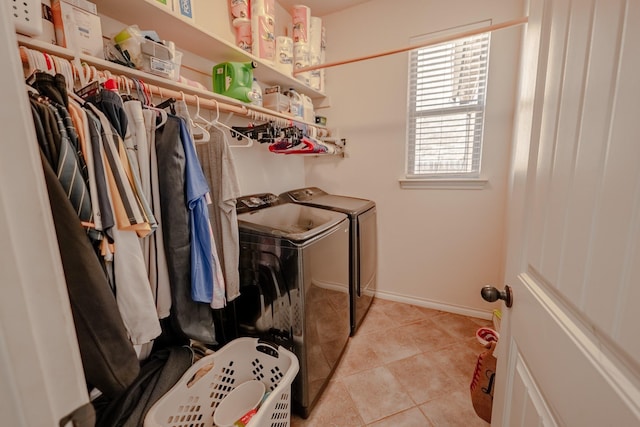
(194, 399)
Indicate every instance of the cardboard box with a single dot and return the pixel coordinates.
(76, 27)
(84, 5)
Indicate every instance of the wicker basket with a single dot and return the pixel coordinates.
(194, 399)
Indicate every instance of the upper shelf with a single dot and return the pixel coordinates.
(180, 89)
(196, 40)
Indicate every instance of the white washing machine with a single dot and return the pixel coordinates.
(363, 243)
(294, 286)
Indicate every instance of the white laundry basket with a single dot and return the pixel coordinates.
(194, 399)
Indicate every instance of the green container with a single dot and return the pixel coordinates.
(234, 79)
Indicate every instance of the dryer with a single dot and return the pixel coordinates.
(363, 243)
(294, 286)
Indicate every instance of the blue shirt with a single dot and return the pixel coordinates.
(196, 188)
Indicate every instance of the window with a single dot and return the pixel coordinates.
(447, 85)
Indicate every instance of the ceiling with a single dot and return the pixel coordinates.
(321, 8)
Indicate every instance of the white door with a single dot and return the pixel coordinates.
(569, 351)
(41, 378)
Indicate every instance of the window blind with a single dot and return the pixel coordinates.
(447, 86)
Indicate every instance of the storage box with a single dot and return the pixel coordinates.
(77, 28)
(160, 60)
(150, 56)
(84, 5)
(274, 100)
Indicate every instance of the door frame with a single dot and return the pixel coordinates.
(41, 376)
(526, 135)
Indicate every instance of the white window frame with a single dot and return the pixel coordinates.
(456, 179)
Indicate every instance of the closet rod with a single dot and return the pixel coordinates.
(434, 41)
(190, 95)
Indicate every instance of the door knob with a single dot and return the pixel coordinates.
(491, 294)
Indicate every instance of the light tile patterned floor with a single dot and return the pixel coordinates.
(407, 366)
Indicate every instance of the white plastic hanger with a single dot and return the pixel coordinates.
(218, 124)
(204, 135)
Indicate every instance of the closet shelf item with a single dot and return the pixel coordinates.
(165, 88)
(149, 14)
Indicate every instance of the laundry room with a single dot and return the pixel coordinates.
(315, 202)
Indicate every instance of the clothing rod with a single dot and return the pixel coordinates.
(158, 88)
(434, 41)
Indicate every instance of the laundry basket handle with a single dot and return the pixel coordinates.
(268, 347)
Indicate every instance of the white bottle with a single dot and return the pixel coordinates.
(256, 93)
(296, 108)
(309, 113)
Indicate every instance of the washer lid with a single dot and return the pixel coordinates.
(314, 196)
(345, 204)
(304, 194)
(290, 221)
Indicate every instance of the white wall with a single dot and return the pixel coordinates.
(436, 246)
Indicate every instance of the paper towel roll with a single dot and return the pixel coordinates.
(263, 7)
(263, 39)
(301, 19)
(301, 55)
(239, 8)
(243, 31)
(315, 36)
(302, 59)
(263, 29)
(315, 53)
(315, 76)
(283, 59)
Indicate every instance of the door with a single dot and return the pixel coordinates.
(569, 351)
(41, 377)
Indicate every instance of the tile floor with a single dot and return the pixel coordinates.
(407, 366)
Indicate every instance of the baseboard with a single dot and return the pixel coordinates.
(435, 305)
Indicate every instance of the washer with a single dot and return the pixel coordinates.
(363, 259)
(294, 286)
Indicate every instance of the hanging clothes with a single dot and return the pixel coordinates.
(110, 103)
(62, 154)
(219, 168)
(94, 149)
(196, 189)
(134, 133)
(156, 256)
(193, 319)
(81, 123)
(132, 288)
(108, 359)
(218, 287)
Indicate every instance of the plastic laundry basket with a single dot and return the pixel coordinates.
(194, 399)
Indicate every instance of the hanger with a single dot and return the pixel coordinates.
(264, 133)
(167, 103)
(221, 126)
(64, 67)
(204, 135)
(164, 116)
(31, 89)
(143, 96)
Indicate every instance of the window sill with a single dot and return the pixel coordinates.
(444, 183)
